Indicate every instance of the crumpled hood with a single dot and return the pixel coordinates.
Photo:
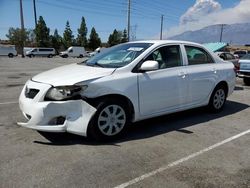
(71, 74)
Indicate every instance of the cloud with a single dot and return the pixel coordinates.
(200, 9)
(194, 19)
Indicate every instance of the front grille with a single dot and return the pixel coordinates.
(31, 93)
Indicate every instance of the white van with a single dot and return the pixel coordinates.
(45, 52)
(74, 51)
(8, 51)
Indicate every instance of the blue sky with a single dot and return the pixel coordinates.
(108, 15)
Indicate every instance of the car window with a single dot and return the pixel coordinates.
(197, 56)
(34, 50)
(246, 56)
(45, 50)
(167, 56)
(222, 56)
(71, 51)
(229, 56)
(240, 52)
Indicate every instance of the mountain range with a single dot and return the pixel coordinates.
(233, 34)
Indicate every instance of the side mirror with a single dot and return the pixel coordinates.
(149, 66)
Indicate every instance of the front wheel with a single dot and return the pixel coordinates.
(217, 99)
(10, 55)
(109, 120)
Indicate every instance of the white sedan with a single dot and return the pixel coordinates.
(129, 82)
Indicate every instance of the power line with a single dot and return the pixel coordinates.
(79, 10)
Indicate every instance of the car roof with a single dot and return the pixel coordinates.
(159, 42)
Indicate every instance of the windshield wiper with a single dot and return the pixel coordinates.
(82, 62)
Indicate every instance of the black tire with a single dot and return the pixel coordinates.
(32, 55)
(80, 56)
(11, 55)
(217, 99)
(50, 56)
(246, 81)
(104, 126)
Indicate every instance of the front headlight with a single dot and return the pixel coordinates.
(64, 92)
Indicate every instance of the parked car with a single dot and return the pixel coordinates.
(240, 53)
(126, 83)
(74, 51)
(96, 51)
(227, 56)
(244, 71)
(9, 51)
(44, 52)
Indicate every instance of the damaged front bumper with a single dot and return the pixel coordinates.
(54, 116)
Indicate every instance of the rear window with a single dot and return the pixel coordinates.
(45, 50)
(197, 56)
(246, 56)
(240, 52)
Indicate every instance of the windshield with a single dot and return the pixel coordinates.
(118, 56)
(246, 56)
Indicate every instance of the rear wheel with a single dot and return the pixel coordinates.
(50, 56)
(218, 99)
(246, 81)
(109, 120)
(80, 56)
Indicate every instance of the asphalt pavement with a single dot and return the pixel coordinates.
(187, 149)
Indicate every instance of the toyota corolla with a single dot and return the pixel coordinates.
(129, 82)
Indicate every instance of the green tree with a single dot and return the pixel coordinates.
(18, 37)
(124, 36)
(56, 40)
(42, 33)
(82, 34)
(115, 38)
(68, 36)
(94, 40)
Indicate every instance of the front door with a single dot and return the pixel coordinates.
(164, 89)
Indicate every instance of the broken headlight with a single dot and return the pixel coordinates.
(64, 92)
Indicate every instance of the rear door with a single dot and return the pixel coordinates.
(202, 74)
(163, 89)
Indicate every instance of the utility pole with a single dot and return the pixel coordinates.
(161, 27)
(221, 31)
(129, 6)
(133, 32)
(22, 27)
(34, 5)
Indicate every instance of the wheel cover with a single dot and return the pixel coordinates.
(111, 120)
(219, 98)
